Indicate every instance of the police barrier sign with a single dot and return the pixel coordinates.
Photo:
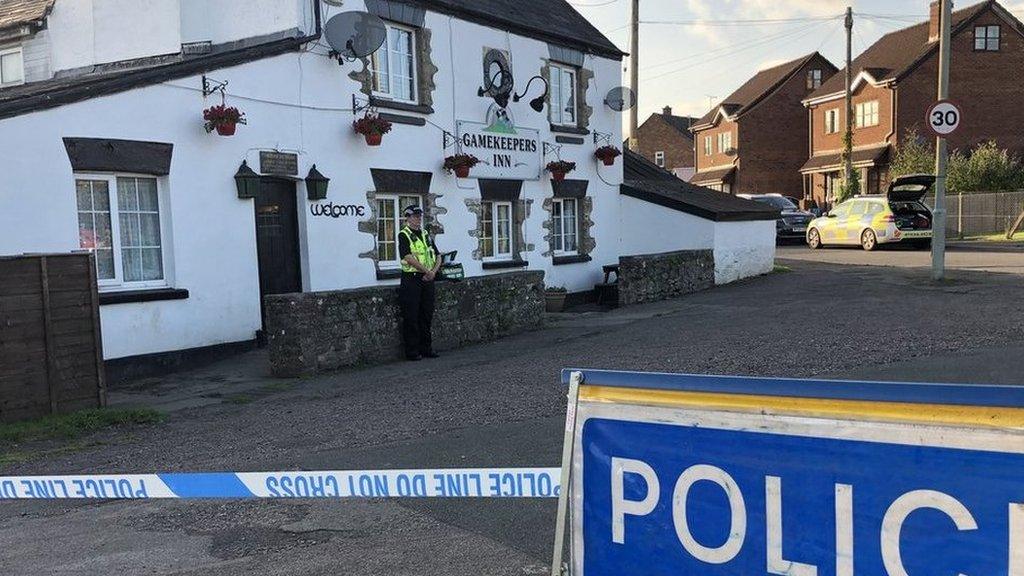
(701, 475)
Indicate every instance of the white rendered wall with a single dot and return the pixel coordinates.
(743, 249)
(88, 32)
(648, 228)
(220, 21)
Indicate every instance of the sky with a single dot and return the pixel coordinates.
(689, 63)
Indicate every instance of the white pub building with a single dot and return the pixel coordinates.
(103, 147)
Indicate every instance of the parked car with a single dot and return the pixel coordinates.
(872, 220)
(792, 223)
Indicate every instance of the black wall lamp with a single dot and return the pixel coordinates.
(316, 184)
(537, 103)
(247, 181)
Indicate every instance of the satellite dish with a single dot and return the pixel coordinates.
(355, 34)
(620, 99)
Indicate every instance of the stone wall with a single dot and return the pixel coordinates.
(653, 277)
(315, 332)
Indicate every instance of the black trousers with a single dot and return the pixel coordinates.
(416, 298)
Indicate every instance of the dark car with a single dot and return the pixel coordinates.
(792, 222)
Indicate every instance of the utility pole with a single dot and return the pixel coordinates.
(848, 138)
(634, 73)
(941, 152)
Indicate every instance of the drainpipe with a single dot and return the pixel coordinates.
(318, 28)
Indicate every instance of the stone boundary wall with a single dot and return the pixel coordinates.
(315, 332)
(653, 277)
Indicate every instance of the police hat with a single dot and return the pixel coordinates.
(413, 210)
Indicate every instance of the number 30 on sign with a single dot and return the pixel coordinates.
(943, 118)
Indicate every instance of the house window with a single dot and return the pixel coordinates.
(832, 121)
(708, 146)
(813, 79)
(563, 95)
(12, 68)
(393, 66)
(724, 142)
(659, 158)
(867, 114)
(986, 38)
(496, 231)
(119, 221)
(565, 229)
(389, 223)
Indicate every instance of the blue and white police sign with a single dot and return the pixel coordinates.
(709, 476)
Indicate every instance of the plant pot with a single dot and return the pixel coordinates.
(558, 176)
(462, 172)
(554, 301)
(373, 139)
(226, 129)
(608, 160)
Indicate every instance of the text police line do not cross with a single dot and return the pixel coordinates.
(890, 533)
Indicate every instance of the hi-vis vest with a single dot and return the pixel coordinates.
(419, 244)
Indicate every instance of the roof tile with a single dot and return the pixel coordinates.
(23, 12)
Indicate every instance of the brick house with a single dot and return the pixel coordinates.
(753, 141)
(895, 81)
(666, 140)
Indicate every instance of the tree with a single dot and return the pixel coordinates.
(848, 189)
(986, 168)
(912, 156)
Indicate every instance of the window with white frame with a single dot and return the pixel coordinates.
(813, 79)
(867, 114)
(724, 142)
(565, 229)
(496, 230)
(659, 158)
(119, 219)
(563, 95)
(390, 209)
(393, 65)
(708, 143)
(832, 121)
(986, 38)
(12, 67)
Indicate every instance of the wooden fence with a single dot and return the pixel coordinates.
(980, 213)
(51, 358)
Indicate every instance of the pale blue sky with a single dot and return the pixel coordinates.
(683, 64)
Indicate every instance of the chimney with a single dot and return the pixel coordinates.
(667, 110)
(934, 20)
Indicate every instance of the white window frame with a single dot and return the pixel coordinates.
(867, 114)
(724, 141)
(987, 37)
(814, 77)
(556, 109)
(398, 219)
(21, 54)
(385, 51)
(709, 146)
(500, 256)
(560, 238)
(117, 283)
(659, 158)
(832, 121)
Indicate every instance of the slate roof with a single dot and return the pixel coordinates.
(757, 88)
(713, 176)
(645, 181)
(874, 156)
(897, 53)
(681, 123)
(23, 12)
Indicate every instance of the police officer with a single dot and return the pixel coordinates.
(420, 264)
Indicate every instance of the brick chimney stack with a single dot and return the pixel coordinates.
(667, 110)
(934, 20)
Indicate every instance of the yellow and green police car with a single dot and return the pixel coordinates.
(871, 220)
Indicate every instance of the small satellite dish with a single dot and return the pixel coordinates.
(355, 34)
(620, 99)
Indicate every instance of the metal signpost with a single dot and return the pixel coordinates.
(679, 474)
(941, 129)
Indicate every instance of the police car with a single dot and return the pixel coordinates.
(871, 220)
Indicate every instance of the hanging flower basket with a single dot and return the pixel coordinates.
(372, 127)
(460, 164)
(223, 119)
(559, 169)
(607, 154)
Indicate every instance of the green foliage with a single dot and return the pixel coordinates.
(914, 155)
(984, 168)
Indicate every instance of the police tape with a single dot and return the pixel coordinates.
(440, 483)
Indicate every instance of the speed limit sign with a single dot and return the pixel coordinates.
(943, 118)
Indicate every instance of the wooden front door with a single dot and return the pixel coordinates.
(277, 238)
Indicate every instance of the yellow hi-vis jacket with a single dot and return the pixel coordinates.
(419, 244)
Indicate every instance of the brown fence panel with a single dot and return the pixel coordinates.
(51, 356)
(980, 213)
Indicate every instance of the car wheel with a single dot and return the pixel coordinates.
(813, 239)
(868, 241)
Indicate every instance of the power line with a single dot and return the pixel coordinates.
(739, 22)
(597, 5)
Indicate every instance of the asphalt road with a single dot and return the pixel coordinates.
(496, 404)
(985, 257)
